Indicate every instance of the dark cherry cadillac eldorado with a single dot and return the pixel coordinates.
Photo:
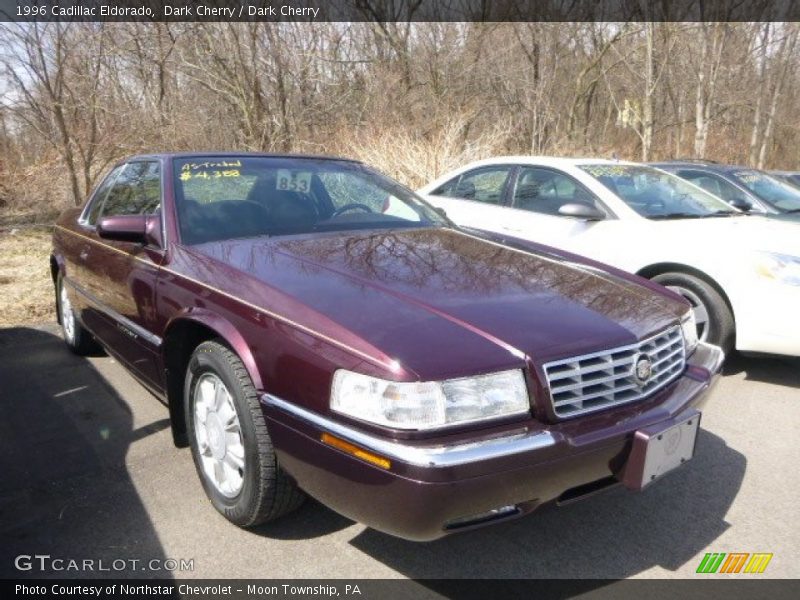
(315, 327)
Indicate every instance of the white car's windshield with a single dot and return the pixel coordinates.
(658, 195)
(781, 195)
(224, 197)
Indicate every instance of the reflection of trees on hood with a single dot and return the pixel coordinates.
(412, 262)
(425, 264)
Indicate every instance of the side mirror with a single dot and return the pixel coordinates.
(124, 228)
(741, 204)
(581, 211)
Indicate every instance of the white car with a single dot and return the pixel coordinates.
(740, 273)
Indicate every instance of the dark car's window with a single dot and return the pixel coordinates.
(781, 195)
(221, 197)
(485, 184)
(656, 194)
(546, 191)
(713, 184)
(137, 191)
(93, 210)
(790, 178)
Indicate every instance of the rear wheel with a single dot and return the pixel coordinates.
(79, 340)
(232, 449)
(715, 323)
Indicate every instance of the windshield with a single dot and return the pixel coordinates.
(224, 197)
(781, 195)
(658, 195)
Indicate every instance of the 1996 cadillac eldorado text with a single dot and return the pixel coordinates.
(316, 328)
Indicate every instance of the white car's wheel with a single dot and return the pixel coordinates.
(715, 323)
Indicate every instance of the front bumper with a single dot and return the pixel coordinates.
(432, 490)
(766, 318)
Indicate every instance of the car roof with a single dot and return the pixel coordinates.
(228, 153)
(553, 161)
(708, 166)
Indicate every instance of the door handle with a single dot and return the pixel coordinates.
(84, 254)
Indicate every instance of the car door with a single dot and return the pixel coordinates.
(476, 198)
(119, 278)
(79, 247)
(536, 196)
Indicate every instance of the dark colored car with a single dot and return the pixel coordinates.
(745, 188)
(313, 325)
(792, 177)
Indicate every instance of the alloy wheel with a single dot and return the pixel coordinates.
(67, 316)
(219, 435)
(700, 310)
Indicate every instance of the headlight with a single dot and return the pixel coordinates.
(780, 267)
(689, 327)
(431, 404)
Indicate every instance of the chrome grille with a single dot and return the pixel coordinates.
(601, 380)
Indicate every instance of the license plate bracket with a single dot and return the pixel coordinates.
(660, 449)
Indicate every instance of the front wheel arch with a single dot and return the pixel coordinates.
(55, 270)
(654, 270)
(183, 334)
(697, 287)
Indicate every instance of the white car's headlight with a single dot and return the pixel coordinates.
(430, 404)
(689, 327)
(780, 267)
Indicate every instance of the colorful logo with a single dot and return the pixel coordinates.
(734, 562)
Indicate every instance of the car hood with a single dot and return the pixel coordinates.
(446, 303)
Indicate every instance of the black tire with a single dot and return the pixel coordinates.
(266, 492)
(76, 336)
(721, 327)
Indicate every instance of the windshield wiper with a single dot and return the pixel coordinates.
(792, 210)
(676, 215)
(723, 213)
(683, 215)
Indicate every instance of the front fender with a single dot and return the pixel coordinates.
(225, 330)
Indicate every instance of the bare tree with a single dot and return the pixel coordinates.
(412, 98)
(784, 56)
(713, 39)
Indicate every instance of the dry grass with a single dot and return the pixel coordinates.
(26, 290)
(415, 160)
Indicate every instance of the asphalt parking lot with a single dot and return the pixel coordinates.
(89, 471)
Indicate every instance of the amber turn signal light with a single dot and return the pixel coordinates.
(354, 450)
